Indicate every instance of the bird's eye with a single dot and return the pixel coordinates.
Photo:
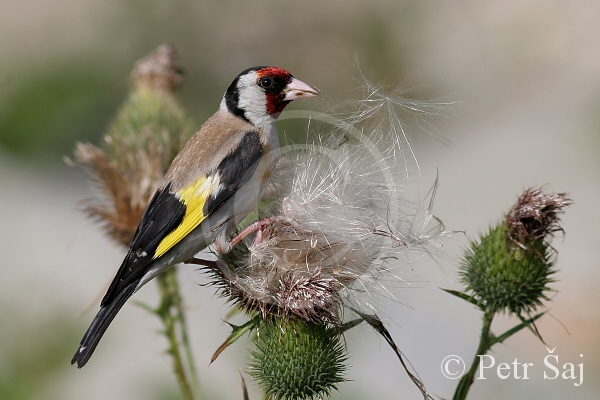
(266, 82)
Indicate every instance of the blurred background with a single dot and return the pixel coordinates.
(525, 74)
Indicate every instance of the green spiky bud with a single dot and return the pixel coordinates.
(509, 268)
(298, 360)
(505, 277)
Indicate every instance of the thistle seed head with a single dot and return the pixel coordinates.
(338, 220)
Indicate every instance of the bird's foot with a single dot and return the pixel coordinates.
(257, 227)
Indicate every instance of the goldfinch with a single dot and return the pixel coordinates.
(211, 186)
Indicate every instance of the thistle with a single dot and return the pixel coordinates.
(336, 220)
(147, 132)
(296, 360)
(509, 269)
(142, 140)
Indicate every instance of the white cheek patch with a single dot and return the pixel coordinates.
(252, 100)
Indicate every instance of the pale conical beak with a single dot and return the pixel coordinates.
(297, 89)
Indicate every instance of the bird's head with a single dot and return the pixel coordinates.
(260, 94)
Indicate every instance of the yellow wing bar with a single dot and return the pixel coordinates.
(193, 197)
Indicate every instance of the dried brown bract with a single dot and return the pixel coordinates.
(139, 146)
(535, 215)
(159, 70)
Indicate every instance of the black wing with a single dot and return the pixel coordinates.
(165, 212)
(236, 169)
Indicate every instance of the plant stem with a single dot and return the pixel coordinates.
(485, 342)
(172, 316)
(186, 345)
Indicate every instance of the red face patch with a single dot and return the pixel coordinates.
(274, 72)
(274, 94)
(275, 104)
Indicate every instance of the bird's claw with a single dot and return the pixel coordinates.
(254, 227)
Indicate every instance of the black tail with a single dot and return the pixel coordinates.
(100, 323)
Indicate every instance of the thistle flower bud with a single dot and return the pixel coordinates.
(297, 360)
(510, 267)
(148, 131)
(159, 70)
(146, 134)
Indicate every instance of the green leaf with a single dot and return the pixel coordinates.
(525, 324)
(350, 324)
(236, 333)
(377, 325)
(466, 297)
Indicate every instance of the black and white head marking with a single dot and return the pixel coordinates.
(256, 95)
